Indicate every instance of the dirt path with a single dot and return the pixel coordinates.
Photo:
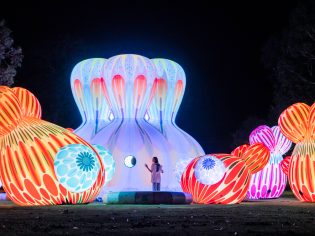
(285, 216)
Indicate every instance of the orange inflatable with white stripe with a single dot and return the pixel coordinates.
(297, 123)
(42, 163)
(224, 178)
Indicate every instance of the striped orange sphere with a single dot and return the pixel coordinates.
(232, 188)
(10, 110)
(297, 123)
(28, 149)
(29, 104)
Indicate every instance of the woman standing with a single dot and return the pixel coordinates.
(156, 170)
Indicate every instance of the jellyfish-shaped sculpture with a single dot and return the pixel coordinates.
(131, 102)
(90, 94)
(224, 178)
(42, 163)
(166, 96)
(271, 181)
(116, 100)
(297, 123)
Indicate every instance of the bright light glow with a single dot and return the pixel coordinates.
(130, 161)
(271, 181)
(297, 123)
(128, 104)
(76, 167)
(209, 170)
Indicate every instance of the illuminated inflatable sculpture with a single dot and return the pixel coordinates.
(285, 163)
(297, 123)
(128, 104)
(42, 163)
(271, 181)
(224, 178)
(166, 96)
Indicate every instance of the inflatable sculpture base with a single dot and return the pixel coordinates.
(147, 197)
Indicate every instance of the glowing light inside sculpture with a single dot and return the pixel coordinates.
(233, 174)
(28, 150)
(76, 167)
(209, 170)
(128, 104)
(271, 181)
(297, 123)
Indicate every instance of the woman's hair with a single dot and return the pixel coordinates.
(156, 161)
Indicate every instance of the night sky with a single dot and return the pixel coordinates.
(219, 46)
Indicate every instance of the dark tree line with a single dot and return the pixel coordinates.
(289, 56)
(10, 56)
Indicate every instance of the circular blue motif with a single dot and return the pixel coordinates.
(209, 170)
(76, 167)
(85, 161)
(208, 163)
(108, 162)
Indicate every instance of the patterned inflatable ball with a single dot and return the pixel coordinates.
(209, 170)
(180, 167)
(76, 167)
(108, 162)
(223, 178)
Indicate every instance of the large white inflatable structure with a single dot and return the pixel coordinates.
(128, 105)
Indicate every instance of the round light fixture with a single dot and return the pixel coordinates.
(130, 161)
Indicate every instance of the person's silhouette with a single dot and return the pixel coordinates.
(156, 170)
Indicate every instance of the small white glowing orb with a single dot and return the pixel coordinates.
(146, 116)
(76, 167)
(130, 161)
(209, 170)
(111, 116)
(108, 161)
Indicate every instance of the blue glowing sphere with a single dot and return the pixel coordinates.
(108, 162)
(209, 170)
(76, 167)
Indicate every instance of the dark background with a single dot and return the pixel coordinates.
(219, 45)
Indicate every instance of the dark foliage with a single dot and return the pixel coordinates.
(241, 136)
(10, 56)
(290, 58)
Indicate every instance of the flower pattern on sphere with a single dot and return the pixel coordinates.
(77, 167)
(209, 170)
(108, 162)
(208, 163)
(85, 161)
(180, 168)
